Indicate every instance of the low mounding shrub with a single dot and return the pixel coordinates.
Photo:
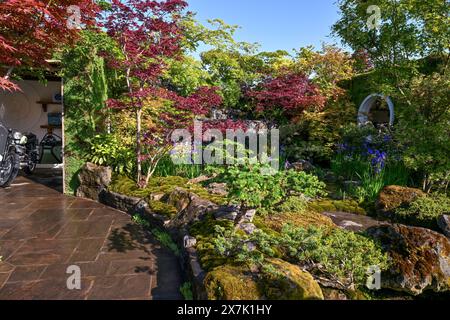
(294, 204)
(256, 186)
(424, 211)
(342, 257)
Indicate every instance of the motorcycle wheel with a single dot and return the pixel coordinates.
(29, 170)
(12, 165)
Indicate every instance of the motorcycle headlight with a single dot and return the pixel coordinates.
(17, 135)
(23, 140)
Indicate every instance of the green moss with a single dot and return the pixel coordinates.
(293, 204)
(204, 232)
(328, 205)
(162, 208)
(158, 185)
(275, 222)
(282, 281)
(232, 283)
(285, 281)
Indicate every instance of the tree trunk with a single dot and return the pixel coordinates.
(138, 144)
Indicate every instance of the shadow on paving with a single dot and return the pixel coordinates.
(43, 232)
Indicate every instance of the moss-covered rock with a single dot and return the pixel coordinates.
(191, 209)
(204, 232)
(423, 212)
(289, 282)
(232, 283)
(393, 197)
(328, 205)
(337, 294)
(303, 219)
(161, 185)
(162, 209)
(284, 281)
(420, 258)
(93, 179)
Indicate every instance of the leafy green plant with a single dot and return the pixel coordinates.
(370, 180)
(166, 240)
(186, 291)
(163, 237)
(107, 150)
(141, 221)
(424, 117)
(166, 168)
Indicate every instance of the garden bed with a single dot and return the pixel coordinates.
(225, 254)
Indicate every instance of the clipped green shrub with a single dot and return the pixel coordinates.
(258, 186)
(424, 211)
(294, 204)
(340, 256)
(73, 165)
(345, 256)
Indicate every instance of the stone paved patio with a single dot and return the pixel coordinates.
(42, 232)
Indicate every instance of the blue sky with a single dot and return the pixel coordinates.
(275, 24)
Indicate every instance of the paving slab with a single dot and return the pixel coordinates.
(43, 233)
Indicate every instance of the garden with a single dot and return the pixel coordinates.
(341, 204)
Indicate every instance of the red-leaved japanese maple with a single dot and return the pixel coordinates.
(147, 33)
(287, 96)
(31, 31)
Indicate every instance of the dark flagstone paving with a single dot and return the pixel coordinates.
(43, 232)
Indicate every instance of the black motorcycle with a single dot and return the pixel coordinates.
(30, 154)
(10, 150)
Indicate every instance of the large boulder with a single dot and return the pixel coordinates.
(420, 258)
(191, 208)
(352, 222)
(393, 197)
(444, 224)
(302, 165)
(180, 198)
(93, 179)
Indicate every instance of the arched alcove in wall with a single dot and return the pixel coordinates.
(384, 112)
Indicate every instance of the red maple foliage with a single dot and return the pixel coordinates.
(148, 32)
(31, 31)
(289, 95)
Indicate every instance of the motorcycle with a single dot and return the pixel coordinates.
(10, 150)
(30, 154)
